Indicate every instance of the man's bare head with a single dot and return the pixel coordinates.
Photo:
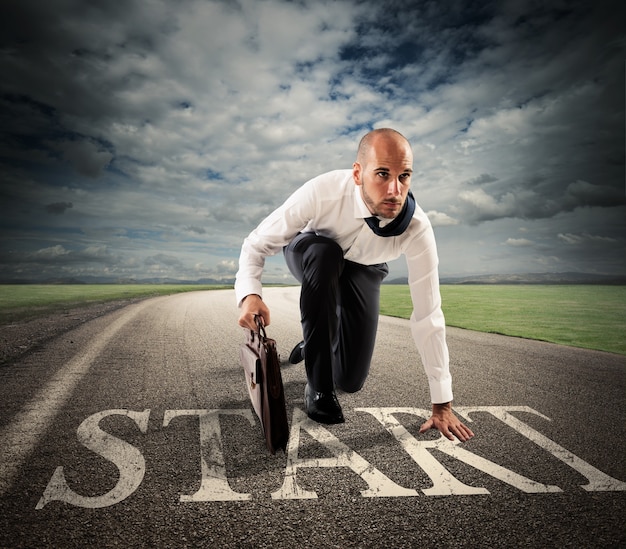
(383, 170)
(376, 138)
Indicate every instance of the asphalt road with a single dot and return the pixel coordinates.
(134, 430)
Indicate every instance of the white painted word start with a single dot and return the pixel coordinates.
(214, 484)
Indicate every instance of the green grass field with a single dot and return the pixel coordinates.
(22, 302)
(587, 316)
(590, 316)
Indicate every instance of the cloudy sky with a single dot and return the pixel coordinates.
(146, 138)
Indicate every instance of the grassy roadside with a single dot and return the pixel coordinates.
(23, 302)
(589, 316)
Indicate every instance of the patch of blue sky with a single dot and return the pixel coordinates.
(359, 128)
(467, 125)
(304, 68)
(114, 168)
(213, 175)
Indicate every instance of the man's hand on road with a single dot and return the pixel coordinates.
(252, 305)
(447, 423)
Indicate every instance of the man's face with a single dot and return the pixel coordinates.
(384, 175)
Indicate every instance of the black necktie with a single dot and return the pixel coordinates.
(399, 223)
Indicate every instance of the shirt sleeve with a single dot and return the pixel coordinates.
(428, 325)
(269, 238)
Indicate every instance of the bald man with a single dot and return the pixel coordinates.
(337, 232)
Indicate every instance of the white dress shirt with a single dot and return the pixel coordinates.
(331, 205)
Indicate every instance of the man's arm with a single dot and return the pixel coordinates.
(269, 238)
(253, 305)
(444, 420)
(428, 329)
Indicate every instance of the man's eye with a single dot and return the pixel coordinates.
(405, 176)
(384, 175)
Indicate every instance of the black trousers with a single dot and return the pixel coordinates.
(339, 307)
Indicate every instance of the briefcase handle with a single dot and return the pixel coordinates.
(260, 328)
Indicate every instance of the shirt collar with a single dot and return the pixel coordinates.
(361, 211)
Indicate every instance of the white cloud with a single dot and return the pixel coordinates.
(485, 206)
(585, 238)
(51, 253)
(440, 219)
(518, 242)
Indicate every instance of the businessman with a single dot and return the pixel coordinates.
(337, 232)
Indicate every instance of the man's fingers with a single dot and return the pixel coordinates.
(264, 318)
(426, 426)
(248, 320)
(252, 305)
(462, 432)
(458, 433)
(450, 431)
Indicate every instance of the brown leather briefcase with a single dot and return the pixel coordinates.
(264, 382)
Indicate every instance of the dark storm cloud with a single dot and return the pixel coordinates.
(58, 207)
(58, 255)
(478, 205)
(581, 193)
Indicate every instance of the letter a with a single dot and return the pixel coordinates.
(378, 484)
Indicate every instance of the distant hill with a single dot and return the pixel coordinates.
(529, 278)
(525, 278)
(112, 280)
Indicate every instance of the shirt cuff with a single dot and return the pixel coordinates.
(242, 289)
(440, 390)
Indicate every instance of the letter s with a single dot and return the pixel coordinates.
(128, 459)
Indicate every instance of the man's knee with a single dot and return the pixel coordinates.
(309, 256)
(325, 251)
(323, 258)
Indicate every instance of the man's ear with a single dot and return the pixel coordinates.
(356, 173)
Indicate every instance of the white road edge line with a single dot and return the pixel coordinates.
(20, 437)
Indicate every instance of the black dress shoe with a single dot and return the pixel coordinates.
(322, 407)
(297, 353)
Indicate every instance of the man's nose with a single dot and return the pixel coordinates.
(394, 187)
